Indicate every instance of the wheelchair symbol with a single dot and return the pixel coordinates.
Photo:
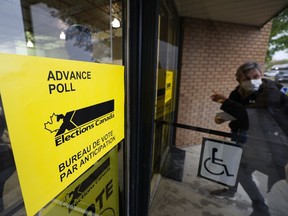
(218, 162)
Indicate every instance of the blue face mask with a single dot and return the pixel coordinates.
(251, 85)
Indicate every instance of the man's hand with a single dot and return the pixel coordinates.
(219, 98)
(218, 120)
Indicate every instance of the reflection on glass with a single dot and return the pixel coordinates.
(78, 43)
(166, 81)
(55, 29)
(10, 192)
(39, 28)
(260, 110)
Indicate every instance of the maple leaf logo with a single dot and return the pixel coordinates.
(54, 124)
(67, 199)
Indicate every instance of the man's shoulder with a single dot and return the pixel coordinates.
(235, 93)
(271, 84)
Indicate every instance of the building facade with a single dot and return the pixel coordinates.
(212, 52)
(97, 95)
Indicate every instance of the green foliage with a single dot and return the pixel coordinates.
(279, 35)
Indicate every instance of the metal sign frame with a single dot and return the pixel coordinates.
(227, 174)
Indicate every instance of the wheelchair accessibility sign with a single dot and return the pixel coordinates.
(219, 161)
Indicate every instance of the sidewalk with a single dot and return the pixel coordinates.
(190, 197)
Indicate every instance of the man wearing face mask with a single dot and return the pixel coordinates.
(261, 113)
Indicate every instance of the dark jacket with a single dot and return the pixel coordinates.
(261, 115)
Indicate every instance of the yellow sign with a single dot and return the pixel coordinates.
(164, 93)
(168, 86)
(62, 117)
(93, 193)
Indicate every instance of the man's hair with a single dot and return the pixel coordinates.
(245, 68)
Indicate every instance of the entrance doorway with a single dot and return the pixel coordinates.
(166, 85)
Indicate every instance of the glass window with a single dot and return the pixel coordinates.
(86, 30)
(77, 30)
(166, 80)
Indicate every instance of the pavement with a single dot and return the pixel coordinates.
(191, 195)
(179, 192)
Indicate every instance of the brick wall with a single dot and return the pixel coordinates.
(212, 51)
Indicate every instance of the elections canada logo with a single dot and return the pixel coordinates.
(77, 122)
(75, 196)
(88, 186)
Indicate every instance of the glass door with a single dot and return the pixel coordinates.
(85, 32)
(166, 82)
